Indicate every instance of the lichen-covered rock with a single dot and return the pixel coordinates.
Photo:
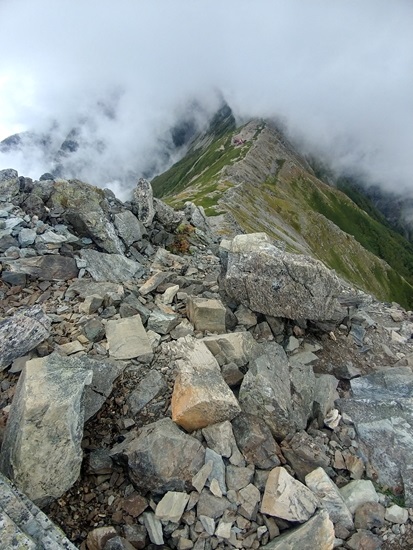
(110, 267)
(41, 451)
(52, 267)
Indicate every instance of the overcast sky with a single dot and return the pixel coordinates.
(339, 73)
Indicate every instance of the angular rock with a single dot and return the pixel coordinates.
(364, 540)
(110, 267)
(166, 215)
(287, 498)
(246, 317)
(22, 332)
(266, 389)
(317, 533)
(211, 506)
(268, 280)
(381, 408)
(369, 516)
(153, 282)
(200, 396)
(46, 408)
(27, 237)
(200, 478)
(105, 372)
(127, 339)
(206, 314)
(325, 393)
(152, 385)
(154, 528)
(255, 441)
(94, 330)
(218, 469)
(46, 268)
(160, 457)
(232, 375)
(237, 477)
(128, 226)
(304, 454)
(87, 287)
(86, 209)
(396, 514)
(358, 492)
(23, 525)
(142, 202)
(172, 506)
(330, 497)
(249, 498)
(235, 347)
(161, 322)
(220, 438)
(118, 543)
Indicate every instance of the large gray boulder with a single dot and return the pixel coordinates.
(282, 398)
(86, 209)
(41, 451)
(9, 183)
(382, 411)
(160, 457)
(269, 280)
(46, 268)
(21, 333)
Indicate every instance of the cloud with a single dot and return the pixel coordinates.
(338, 73)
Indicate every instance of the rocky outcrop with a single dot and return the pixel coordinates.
(142, 202)
(41, 450)
(268, 280)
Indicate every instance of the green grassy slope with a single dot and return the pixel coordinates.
(295, 206)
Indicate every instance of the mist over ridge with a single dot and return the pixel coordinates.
(123, 75)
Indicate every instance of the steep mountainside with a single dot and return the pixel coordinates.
(253, 178)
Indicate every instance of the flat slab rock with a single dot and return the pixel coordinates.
(114, 268)
(21, 333)
(51, 267)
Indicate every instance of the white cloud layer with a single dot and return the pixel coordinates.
(339, 74)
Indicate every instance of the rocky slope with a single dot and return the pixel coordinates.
(252, 179)
(162, 390)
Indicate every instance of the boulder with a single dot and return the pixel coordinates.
(317, 533)
(255, 441)
(51, 267)
(234, 347)
(21, 333)
(200, 396)
(206, 314)
(128, 226)
(142, 202)
(110, 267)
(9, 183)
(127, 339)
(330, 497)
(148, 388)
(268, 280)
(41, 450)
(358, 492)
(160, 457)
(166, 215)
(381, 408)
(266, 388)
(286, 498)
(220, 438)
(86, 209)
